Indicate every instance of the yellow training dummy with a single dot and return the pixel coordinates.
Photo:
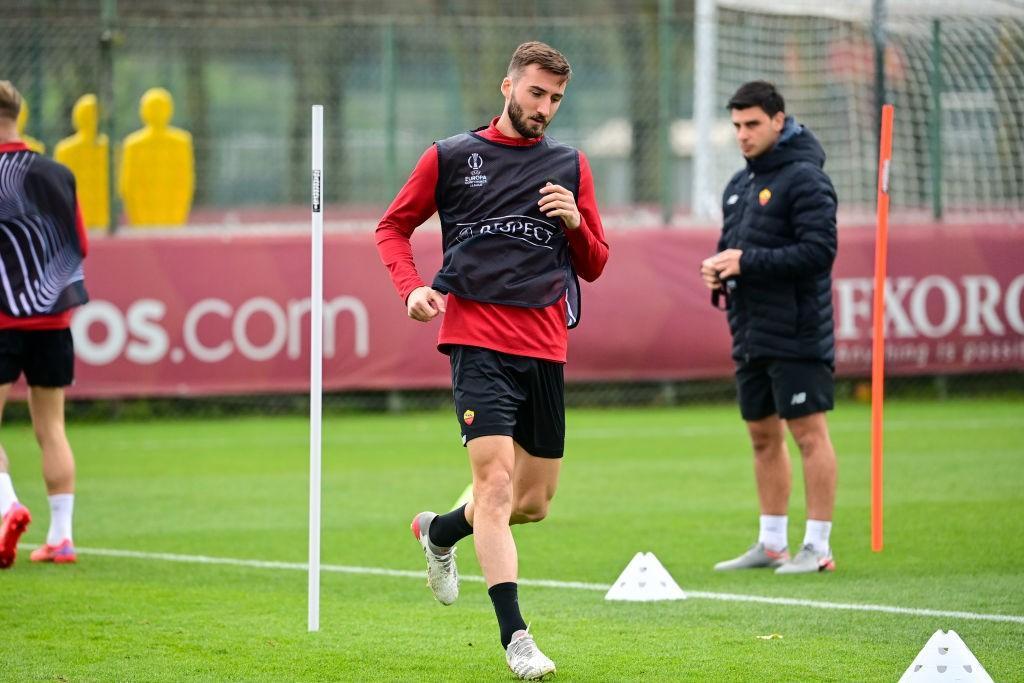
(22, 121)
(85, 153)
(158, 167)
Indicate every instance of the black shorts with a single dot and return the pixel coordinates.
(47, 357)
(791, 388)
(501, 394)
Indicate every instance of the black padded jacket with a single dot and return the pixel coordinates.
(781, 211)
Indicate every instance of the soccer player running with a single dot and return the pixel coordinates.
(773, 272)
(42, 244)
(519, 221)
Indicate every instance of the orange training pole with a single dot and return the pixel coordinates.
(878, 339)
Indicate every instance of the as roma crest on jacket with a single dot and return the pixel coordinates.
(764, 196)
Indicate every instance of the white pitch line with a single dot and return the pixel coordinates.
(545, 583)
(857, 607)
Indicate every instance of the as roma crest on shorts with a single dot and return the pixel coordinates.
(468, 416)
(764, 196)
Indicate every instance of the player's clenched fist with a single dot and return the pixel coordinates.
(424, 304)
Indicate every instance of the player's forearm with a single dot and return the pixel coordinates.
(589, 252)
(83, 234)
(587, 243)
(413, 205)
(396, 253)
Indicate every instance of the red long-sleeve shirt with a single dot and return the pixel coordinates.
(534, 332)
(56, 321)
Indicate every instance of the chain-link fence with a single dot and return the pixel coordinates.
(954, 72)
(392, 79)
(394, 76)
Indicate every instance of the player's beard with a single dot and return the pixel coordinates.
(522, 124)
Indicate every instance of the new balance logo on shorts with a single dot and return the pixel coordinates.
(798, 398)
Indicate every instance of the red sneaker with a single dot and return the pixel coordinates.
(62, 553)
(13, 526)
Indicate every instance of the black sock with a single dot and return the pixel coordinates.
(448, 529)
(505, 597)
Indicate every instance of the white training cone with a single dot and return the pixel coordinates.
(645, 579)
(945, 657)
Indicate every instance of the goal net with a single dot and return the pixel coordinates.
(954, 71)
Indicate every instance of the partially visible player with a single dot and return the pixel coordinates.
(42, 286)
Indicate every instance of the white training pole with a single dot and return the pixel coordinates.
(316, 359)
(704, 197)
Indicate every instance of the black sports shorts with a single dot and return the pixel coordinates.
(502, 394)
(791, 388)
(47, 357)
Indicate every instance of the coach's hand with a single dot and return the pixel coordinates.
(424, 304)
(727, 263)
(709, 273)
(558, 201)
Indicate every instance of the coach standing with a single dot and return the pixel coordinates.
(42, 244)
(773, 273)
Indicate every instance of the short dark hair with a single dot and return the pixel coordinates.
(758, 94)
(543, 55)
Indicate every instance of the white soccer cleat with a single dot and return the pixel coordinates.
(756, 557)
(525, 658)
(808, 561)
(442, 574)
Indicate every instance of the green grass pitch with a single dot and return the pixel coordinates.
(677, 482)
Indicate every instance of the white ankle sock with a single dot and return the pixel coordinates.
(7, 496)
(61, 507)
(817, 535)
(773, 532)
